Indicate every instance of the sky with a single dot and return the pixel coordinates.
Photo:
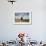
(19, 15)
(10, 31)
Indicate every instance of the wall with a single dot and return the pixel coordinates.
(9, 31)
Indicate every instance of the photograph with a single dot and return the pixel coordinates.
(23, 18)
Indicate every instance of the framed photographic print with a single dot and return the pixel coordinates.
(23, 17)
